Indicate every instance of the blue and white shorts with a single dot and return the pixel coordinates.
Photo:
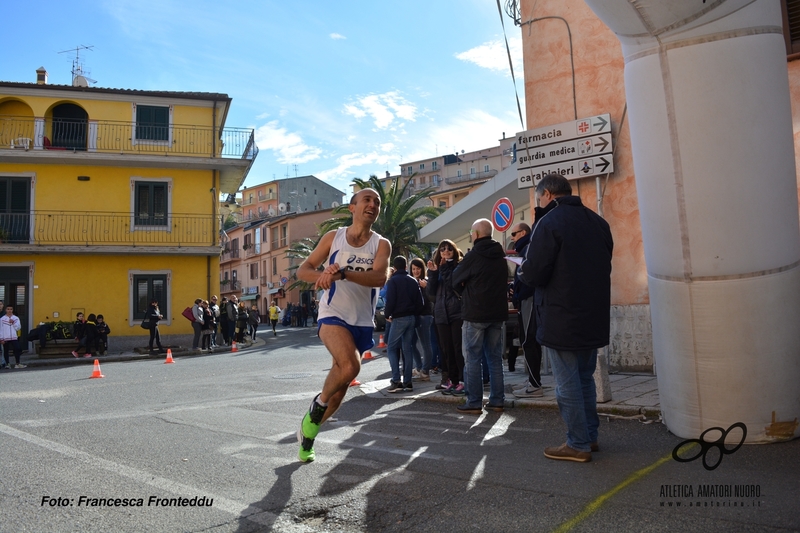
(362, 335)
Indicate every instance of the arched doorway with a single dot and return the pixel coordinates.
(69, 127)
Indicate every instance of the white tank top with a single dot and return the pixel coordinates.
(353, 303)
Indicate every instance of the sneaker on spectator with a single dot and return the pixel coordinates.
(408, 387)
(521, 385)
(395, 386)
(530, 392)
(415, 373)
(87, 355)
(565, 453)
(74, 354)
(458, 390)
(444, 385)
(421, 376)
(21, 366)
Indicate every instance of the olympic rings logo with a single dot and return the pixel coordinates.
(706, 446)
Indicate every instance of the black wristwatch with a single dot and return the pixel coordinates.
(342, 272)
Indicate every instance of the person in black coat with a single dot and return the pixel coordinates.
(447, 315)
(102, 335)
(569, 265)
(154, 315)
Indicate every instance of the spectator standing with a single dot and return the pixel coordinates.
(102, 335)
(242, 317)
(90, 339)
(208, 326)
(523, 299)
(215, 311)
(482, 280)
(233, 313)
(447, 316)
(223, 320)
(403, 306)
(314, 310)
(10, 327)
(569, 265)
(154, 315)
(422, 349)
(197, 323)
(253, 321)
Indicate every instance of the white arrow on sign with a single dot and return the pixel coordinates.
(574, 129)
(572, 170)
(565, 151)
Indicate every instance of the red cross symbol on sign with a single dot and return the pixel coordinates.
(583, 126)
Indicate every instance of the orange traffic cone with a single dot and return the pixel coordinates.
(355, 383)
(381, 344)
(169, 357)
(233, 347)
(367, 356)
(96, 373)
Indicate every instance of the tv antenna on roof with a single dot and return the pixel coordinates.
(79, 77)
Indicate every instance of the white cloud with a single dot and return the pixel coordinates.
(337, 36)
(383, 108)
(472, 129)
(288, 147)
(348, 162)
(493, 56)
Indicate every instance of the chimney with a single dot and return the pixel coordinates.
(387, 173)
(41, 76)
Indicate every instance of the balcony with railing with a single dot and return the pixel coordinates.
(229, 255)
(58, 228)
(470, 177)
(33, 134)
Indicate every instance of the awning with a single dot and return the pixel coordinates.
(273, 291)
(248, 297)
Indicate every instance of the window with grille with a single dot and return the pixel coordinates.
(152, 123)
(791, 25)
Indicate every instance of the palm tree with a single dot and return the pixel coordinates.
(399, 222)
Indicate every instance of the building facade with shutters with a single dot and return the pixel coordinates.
(110, 198)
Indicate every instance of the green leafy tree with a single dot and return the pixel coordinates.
(399, 222)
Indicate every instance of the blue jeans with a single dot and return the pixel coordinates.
(478, 338)
(424, 336)
(576, 394)
(401, 334)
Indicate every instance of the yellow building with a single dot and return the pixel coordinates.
(109, 197)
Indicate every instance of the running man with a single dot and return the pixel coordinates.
(356, 262)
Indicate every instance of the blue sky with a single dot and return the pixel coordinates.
(337, 89)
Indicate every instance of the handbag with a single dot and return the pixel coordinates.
(188, 314)
(146, 323)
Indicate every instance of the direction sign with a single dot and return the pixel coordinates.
(575, 149)
(502, 214)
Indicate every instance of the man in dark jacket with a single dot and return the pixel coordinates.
(403, 307)
(523, 299)
(482, 280)
(569, 265)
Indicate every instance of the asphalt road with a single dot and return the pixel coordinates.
(222, 428)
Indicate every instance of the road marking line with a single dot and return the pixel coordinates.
(477, 474)
(221, 503)
(603, 498)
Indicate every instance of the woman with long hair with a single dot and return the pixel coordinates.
(422, 358)
(447, 315)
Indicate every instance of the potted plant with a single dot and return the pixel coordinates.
(246, 246)
(224, 282)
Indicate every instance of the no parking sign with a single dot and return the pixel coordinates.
(502, 214)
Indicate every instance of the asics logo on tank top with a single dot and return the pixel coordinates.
(360, 262)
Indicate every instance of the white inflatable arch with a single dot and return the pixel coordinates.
(713, 152)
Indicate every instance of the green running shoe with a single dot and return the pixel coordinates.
(309, 428)
(306, 453)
